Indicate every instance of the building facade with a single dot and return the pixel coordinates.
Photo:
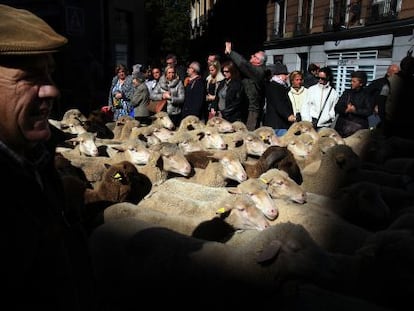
(101, 33)
(345, 35)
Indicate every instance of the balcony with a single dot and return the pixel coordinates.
(341, 18)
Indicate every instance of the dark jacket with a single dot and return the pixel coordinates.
(278, 106)
(194, 99)
(358, 119)
(234, 110)
(253, 82)
(45, 258)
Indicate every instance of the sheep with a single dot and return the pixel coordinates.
(144, 134)
(162, 120)
(267, 134)
(119, 125)
(209, 138)
(245, 144)
(133, 151)
(73, 126)
(120, 182)
(332, 171)
(127, 128)
(274, 157)
(162, 133)
(188, 143)
(190, 123)
(216, 169)
(84, 146)
(93, 168)
(73, 113)
(329, 230)
(382, 149)
(239, 126)
(400, 165)
(159, 132)
(239, 213)
(141, 257)
(257, 190)
(69, 115)
(359, 205)
(301, 147)
(324, 143)
(165, 158)
(379, 176)
(281, 186)
(96, 123)
(360, 142)
(296, 129)
(331, 133)
(221, 124)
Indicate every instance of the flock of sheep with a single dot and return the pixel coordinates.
(212, 211)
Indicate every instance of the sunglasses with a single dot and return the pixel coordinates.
(323, 78)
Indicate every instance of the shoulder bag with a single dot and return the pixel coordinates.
(316, 120)
(156, 106)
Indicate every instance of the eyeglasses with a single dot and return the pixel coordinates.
(323, 78)
(224, 71)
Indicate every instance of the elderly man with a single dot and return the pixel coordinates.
(45, 259)
(253, 82)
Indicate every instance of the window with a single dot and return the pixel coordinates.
(343, 63)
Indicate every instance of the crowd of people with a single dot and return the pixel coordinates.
(260, 94)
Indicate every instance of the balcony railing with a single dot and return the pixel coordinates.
(382, 11)
(339, 17)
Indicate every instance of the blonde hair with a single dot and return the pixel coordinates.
(294, 74)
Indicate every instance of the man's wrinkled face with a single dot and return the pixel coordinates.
(27, 96)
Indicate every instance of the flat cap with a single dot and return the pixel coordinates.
(24, 33)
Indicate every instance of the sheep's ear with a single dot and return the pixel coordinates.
(269, 252)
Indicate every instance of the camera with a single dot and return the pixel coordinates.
(298, 117)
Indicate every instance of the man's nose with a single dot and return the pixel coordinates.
(48, 90)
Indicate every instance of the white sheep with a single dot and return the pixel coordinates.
(216, 168)
(84, 146)
(237, 211)
(280, 186)
(257, 190)
(221, 124)
(162, 119)
(165, 158)
(331, 174)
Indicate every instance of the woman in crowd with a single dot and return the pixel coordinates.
(120, 92)
(319, 107)
(354, 106)
(171, 88)
(297, 93)
(213, 80)
(228, 103)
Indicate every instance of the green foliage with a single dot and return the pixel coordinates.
(169, 27)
